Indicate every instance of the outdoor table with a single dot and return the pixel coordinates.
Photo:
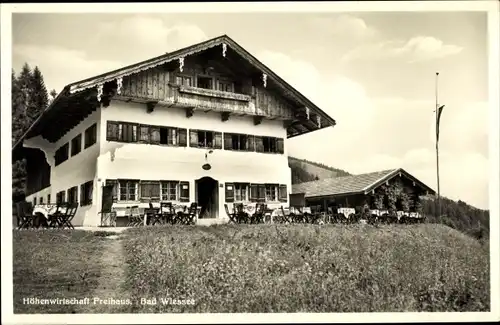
(122, 209)
(48, 210)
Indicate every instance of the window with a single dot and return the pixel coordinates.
(144, 135)
(86, 193)
(169, 190)
(183, 81)
(150, 190)
(169, 136)
(225, 86)
(233, 141)
(41, 200)
(90, 135)
(120, 131)
(271, 192)
(76, 145)
(60, 197)
(204, 82)
(127, 190)
(61, 154)
(240, 192)
(205, 139)
(149, 134)
(48, 199)
(237, 192)
(269, 144)
(34, 201)
(73, 194)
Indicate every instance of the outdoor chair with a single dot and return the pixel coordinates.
(67, 217)
(166, 213)
(258, 216)
(151, 215)
(55, 218)
(190, 217)
(283, 218)
(134, 217)
(24, 215)
(108, 216)
(231, 216)
(240, 214)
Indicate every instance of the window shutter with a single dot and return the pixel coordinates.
(218, 140)
(114, 183)
(262, 192)
(254, 192)
(280, 145)
(154, 134)
(283, 193)
(250, 143)
(82, 194)
(144, 133)
(229, 192)
(90, 191)
(112, 131)
(259, 144)
(182, 137)
(193, 138)
(184, 191)
(228, 141)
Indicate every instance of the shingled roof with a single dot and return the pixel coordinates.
(354, 184)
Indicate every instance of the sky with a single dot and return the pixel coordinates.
(373, 72)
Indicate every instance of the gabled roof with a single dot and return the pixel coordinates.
(354, 184)
(223, 40)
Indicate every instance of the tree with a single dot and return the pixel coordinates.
(29, 99)
(39, 98)
(18, 110)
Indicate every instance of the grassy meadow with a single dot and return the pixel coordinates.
(264, 268)
(54, 264)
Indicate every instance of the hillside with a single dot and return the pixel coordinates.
(458, 215)
(305, 170)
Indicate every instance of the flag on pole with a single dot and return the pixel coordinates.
(438, 118)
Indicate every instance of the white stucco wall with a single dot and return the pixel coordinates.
(155, 162)
(75, 171)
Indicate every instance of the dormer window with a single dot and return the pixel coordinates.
(205, 82)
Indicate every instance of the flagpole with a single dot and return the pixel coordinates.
(437, 151)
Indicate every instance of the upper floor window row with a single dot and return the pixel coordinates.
(132, 132)
(165, 135)
(89, 137)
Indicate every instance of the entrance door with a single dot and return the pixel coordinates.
(107, 198)
(207, 196)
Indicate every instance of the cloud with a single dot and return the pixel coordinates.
(60, 66)
(340, 97)
(416, 49)
(346, 25)
(152, 36)
(384, 133)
